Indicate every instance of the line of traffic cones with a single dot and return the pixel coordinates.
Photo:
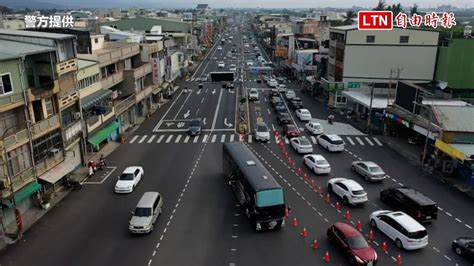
(304, 233)
(326, 257)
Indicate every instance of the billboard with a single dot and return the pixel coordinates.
(307, 58)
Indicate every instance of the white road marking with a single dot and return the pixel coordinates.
(177, 138)
(468, 226)
(160, 138)
(286, 140)
(222, 138)
(232, 137)
(400, 183)
(213, 138)
(459, 221)
(186, 139)
(143, 138)
(439, 208)
(133, 139)
(437, 250)
(368, 141)
(449, 214)
(202, 100)
(313, 139)
(166, 113)
(169, 139)
(360, 141)
(448, 258)
(204, 139)
(217, 110)
(378, 141)
(350, 140)
(195, 139)
(151, 138)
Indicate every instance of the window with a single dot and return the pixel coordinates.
(370, 39)
(270, 197)
(5, 84)
(48, 102)
(404, 39)
(44, 144)
(20, 160)
(96, 40)
(342, 186)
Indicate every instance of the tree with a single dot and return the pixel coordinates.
(5, 10)
(414, 10)
(381, 5)
(349, 17)
(395, 9)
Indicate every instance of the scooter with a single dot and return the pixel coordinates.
(92, 168)
(330, 119)
(72, 184)
(102, 164)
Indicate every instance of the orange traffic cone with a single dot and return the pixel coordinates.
(304, 233)
(398, 260)
(384, 246)
(315, 244)
(294, 222)
(311, 184)
(337, 205)
(347, 216)
(359, 226)
(371, 235)
(289, 160)
(326, 257)
(305, 177)
(320, 190)
(328, 197)
(287, 213)
(299, 171)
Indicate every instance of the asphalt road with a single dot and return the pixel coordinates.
(202, 223)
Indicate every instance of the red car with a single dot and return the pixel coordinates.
(352, 243)
(290, 131)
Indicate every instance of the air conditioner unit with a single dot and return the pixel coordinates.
(77, 115)
(54, 151)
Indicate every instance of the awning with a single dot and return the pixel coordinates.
(89, 101)
(103, 133)
(450, 150)
(67, 166)
(23, 193)
(156, 90)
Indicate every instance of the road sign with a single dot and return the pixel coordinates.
(353, 85)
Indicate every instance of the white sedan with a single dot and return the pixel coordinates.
(314, 128)
(317, 163)
(129, 179)
(349, 190)
(301, 145)
(290, 94)
(303, 114)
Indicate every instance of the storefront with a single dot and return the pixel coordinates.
(23, 198)
(458, 159)
(104, 135)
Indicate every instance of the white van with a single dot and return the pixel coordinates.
(145, 214)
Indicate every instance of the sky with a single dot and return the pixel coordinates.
(256, 3)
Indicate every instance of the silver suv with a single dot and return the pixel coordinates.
(147, 211)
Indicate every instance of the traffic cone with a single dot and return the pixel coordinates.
(289, 160)
(371, 235)
(299, 171)
(304, 233)
(287, 213)
(326, 257)
(294, 222)
(305, 177)
(315, 244)
(328, 197)
(286, 154)
(359, 226)
(294, 166)
(311, 184)
(320, 190)
(337, 205)
(398, 260)
(347, 216)
(384, 246)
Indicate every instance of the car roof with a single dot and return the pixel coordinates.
(303, 110)
(290, 126)
(296, 99)
(347, 229)
(317, 156)
(353, 185)
(130, 169)
(415, 195)
(369, 163)
(333, 137)
(261, 124)
(147, 199)
(406, 221)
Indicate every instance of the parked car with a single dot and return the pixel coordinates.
(301, 145)
(314, 128)
(296, 103)
(221, 64)
(401, 228)
(280, 108)
(303, 115)
(262, 133)
(253, 94)
(352, 243)
(464, 246)
(348, 190)
(129, 179)
(317, 163)
(283, 118)
(274, 100)
(411, 202)
(146, 213)
(219, 48)
(290, 131)
(369, 170)
(331, 142)
(232, 67)
(195, 127)
(281, 88)
(249, 63)
(290, 94)
(272, 83)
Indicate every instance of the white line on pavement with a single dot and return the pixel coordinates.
(350, 140)
(177, 138)
(222, 138)
(449, 214)
(169, 139)
(204, 139)
(378, 141)
(186, 139)
(217, 111)
(143, 138)
(368, 141)
(232, 137)
(313, 139)
(213, 138)
(360, 141)
(133, 139)
(195, 139)
(468, 226)
(160, 138)
(151, 138)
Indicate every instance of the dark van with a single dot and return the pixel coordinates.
(410, 201)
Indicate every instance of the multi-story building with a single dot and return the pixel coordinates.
(41, 133)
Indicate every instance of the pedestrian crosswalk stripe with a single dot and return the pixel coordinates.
(350, 141)
(186, 139)
(232, 137)
(368, 141)
(250, 138)
(151, 139)
(142, 139)
(195, 139)
(204, 139)
(213, 138)
(160, 138)
(222, 138)
(177, 138)
(360, 141)
(378, 142)
(169, 139)
(133, 139)
(313, 139)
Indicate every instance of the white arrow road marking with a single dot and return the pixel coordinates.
(204, 121)
(180, 124)
(187, 114)
(227, 124)
(198, 92)
(168, 124)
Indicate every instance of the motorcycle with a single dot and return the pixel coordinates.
(102, 164)
(72, 184)
(330, 119)
(92, 168)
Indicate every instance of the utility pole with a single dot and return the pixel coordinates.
(398, 70)
(369, 116)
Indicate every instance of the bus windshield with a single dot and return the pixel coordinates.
(270, 197)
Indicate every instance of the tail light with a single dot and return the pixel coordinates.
(418, 214)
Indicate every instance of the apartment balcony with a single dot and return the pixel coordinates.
(45, 90)
(45, 126)
(115, 52)
(140, 71)
(55, 158)
(154, 47)
(67, 85)
(66, 66)
(112, 80)
(15, 140)
(18, 182)
(11, 101)
(123, 104)
(144, 93)
(95, 121)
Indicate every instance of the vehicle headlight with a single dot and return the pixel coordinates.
(359, 260)
(130, 187)
(455, 241)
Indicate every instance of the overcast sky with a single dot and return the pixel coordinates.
(254, 3)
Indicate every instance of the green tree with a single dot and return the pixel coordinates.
(381, 5)
(414, 10)
(5, 10)
(349, 17)
(395, 9)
